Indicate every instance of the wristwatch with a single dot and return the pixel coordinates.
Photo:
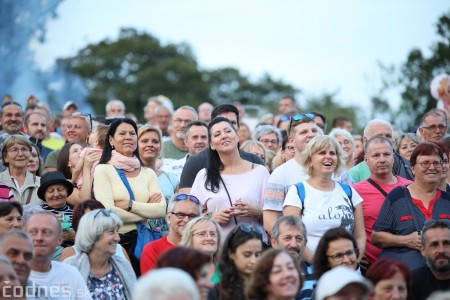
(130, 205)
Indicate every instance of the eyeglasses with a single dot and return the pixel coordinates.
(203, 234)
(434, 127)
(11, 103)
(181, 215)
(87, 116)
(15, 151)
(426, 164)
(290, 149)
(105, 212)
(301, 118)
(340, 256)
(273, 142)
(182, 197)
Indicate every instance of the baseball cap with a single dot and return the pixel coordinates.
(336, 279)
(69, 104)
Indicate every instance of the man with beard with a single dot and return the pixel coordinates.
(36, 128)
(289, 233)
(435, 276)
(196, 139)
(175, 148)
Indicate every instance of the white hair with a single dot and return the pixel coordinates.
(335, 132)
(166, 284)
(374, 122)
(436, 83)
(92, 225)
(115, 102)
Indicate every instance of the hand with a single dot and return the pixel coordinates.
(242, 209)
(123, 204)
(364, 264)
(155, 198)
(68, 235)
(222, 216)
(413, 241)
(91, 158)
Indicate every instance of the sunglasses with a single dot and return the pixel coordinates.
(11, 103)
(105, 212)
(87, 116)
(248, 229)
(182, 197)
(300, 118)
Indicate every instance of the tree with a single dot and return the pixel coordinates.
(137, 66)
(413, 79)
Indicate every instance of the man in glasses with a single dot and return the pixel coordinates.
(197, 162)
(433, 126)
(60, 280)
(435, 276)
(269, 136)
(181, 209)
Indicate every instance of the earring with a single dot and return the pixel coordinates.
(112, 147)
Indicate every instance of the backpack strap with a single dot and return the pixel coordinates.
(301, 193)
(348, 190)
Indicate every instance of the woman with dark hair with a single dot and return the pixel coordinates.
(240, 251)
(230, 188)
(405, 210)
(337, 247)
(193, 262)
(79, 211)
(67, 160)
(10, 214)
(118, 167)
(35, 164)
(276, 276)
(390, 278)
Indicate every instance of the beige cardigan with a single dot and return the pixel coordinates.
(30, 185)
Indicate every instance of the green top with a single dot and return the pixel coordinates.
(360, 172)
(171, 151)
(216, 276)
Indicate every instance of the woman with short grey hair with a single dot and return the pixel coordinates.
(345, 139)
(105, 273)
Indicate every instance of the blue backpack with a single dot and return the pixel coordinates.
(301, 193)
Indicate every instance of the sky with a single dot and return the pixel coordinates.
(318, 46)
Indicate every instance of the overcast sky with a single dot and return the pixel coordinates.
(319, 46)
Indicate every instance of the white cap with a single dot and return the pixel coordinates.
(336, 279)
(69, 104)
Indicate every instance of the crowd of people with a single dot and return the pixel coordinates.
(196, 204)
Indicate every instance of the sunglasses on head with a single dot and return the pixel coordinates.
(11, 103)
(182, 197)
(299, 118)
(87, 116)
(105, 212)
(248, 229)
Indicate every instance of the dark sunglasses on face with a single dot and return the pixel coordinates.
(182, 197)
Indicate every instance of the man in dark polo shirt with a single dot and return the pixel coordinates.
(198, 161)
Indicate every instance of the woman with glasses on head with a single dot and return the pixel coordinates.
(150, 140)
(238, 256)
(124, 186)
(405, 144)
(401, 218)
(322, 202)
(16, 153)
(337, 247)
(230, 188)
(204, 234)
(107, 275)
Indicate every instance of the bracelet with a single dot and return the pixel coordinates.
(130, 205)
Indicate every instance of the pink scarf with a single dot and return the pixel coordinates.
(126, 163)
(83, 154)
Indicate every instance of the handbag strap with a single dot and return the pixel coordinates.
(30, 193)
(411, 209)
(377, 186)
(125, 181)
(229, 198)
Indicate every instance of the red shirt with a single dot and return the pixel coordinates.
(371, 205)
(151, 253)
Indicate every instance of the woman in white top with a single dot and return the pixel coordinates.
(326, 203)
(230, 188)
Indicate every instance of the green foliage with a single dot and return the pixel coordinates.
(413, 79)
(137, 66)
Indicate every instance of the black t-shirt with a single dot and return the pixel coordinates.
(198, 161)
(424, 284)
